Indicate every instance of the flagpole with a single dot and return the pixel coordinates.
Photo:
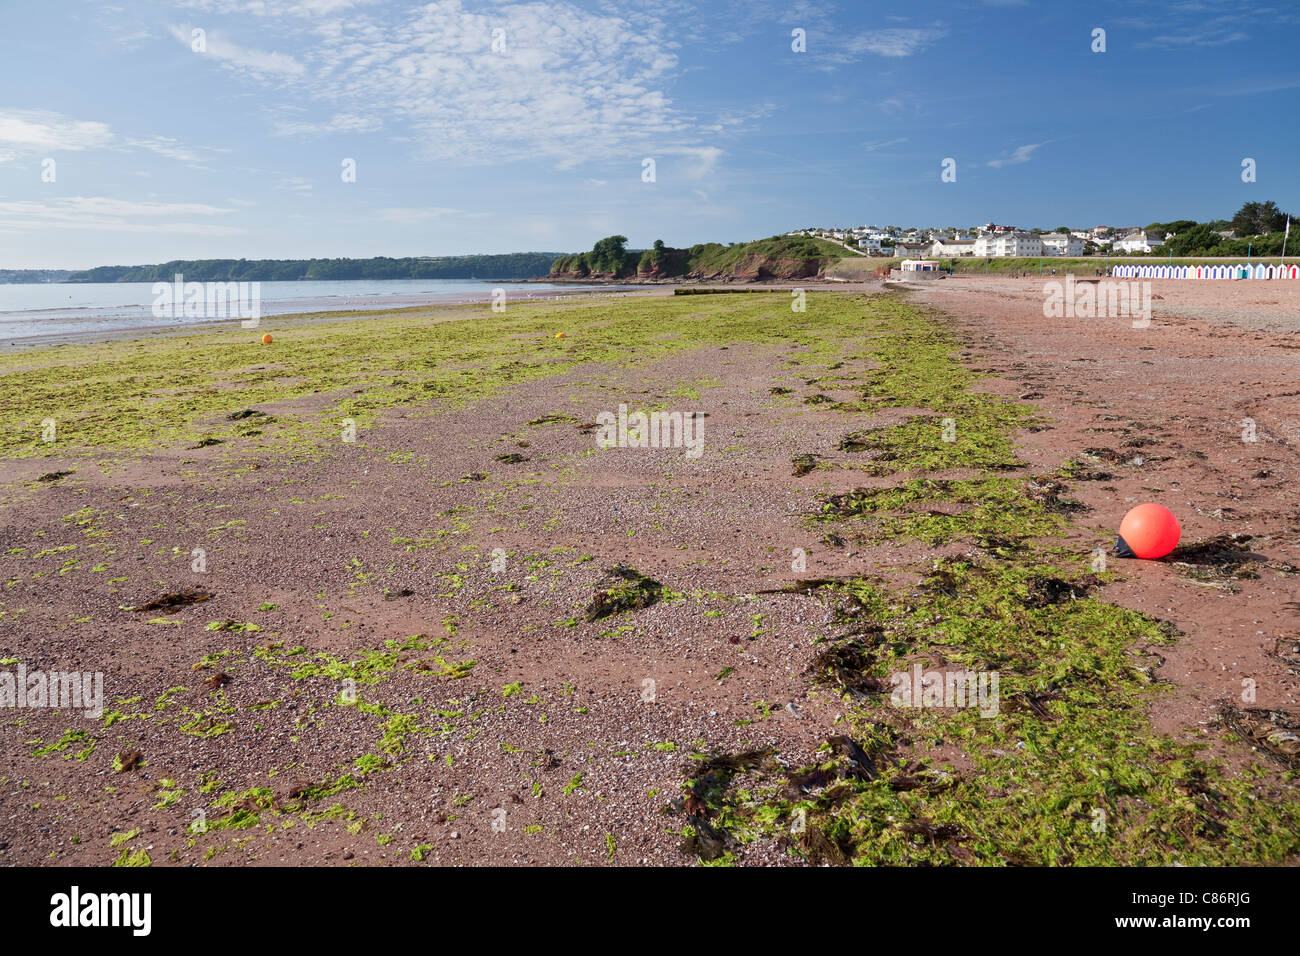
(1285, 235)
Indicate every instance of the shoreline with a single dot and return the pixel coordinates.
(606, 287)
(267, 322)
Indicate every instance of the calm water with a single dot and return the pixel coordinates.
(56, 308)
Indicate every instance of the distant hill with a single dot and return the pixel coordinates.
(779, 257)
(22, 276)
(514, 265)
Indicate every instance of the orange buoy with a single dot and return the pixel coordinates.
(1147, 531)
(559, 335)
(266, 339)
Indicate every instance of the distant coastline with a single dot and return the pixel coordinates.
(487, 268)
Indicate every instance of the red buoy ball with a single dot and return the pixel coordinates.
(1148, 531)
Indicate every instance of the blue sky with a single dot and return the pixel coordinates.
(236, 150)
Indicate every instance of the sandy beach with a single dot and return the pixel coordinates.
(375, 593)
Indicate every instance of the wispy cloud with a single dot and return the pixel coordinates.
(260, 64)
(700, 160)
(1021, 154)
(1245, 87)
(42, 132)
(894, 42)
(1197, 25)
(516, 82)
(831, 50)
(29, 132)
(99, 213)
(1199, 38)
(885, 144)
(738, 119)
(166, 146)
(414, 215)
(338, 123)
(276, 8)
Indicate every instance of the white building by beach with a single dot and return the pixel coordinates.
(952, 248)
(912, 250)
(995, 245)
(1061, 244)
(1139, 242)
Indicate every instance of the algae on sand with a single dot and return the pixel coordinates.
(1067, 770)
(622, 589)
(129, 398)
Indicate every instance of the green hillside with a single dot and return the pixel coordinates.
(774, 257)
(515, 265)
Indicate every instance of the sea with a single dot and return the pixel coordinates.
(38, 312)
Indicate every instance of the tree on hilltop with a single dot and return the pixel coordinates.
(1258, 218)
(609, 254)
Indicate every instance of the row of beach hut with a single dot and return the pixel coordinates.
(1241, 271)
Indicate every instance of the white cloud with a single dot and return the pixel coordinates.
(259, 64)
(1021, 154)
(99, 213)
(831, 50)
(275, 8)
(413, 215)
(338, 123)
(166, 146)
(1202, 38)
(42, 131)
(894, 42)
(569, 86)
(738, 119)
(71, 207)
(700, 160)
(872, 147)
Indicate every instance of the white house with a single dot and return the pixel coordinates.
(871, 245)
(1139, 242)
(949, 248)
(1061, 244)
(912, 250)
